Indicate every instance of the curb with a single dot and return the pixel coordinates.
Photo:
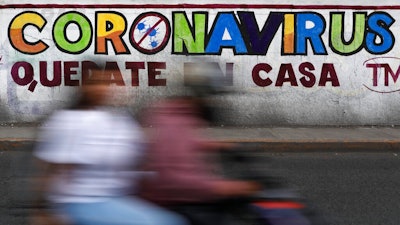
(266, 139)
(16, 144)
(321, 146)
(289, 146)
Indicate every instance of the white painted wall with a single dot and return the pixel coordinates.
(356, 101)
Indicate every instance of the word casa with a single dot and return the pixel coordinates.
(305, 75)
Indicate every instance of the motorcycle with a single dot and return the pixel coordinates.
(277, 203)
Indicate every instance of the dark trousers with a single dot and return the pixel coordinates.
(225, 212)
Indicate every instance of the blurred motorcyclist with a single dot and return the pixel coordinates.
(185, 177)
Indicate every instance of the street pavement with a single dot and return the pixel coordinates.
(350, 174)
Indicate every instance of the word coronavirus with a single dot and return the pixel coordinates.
(240, 32)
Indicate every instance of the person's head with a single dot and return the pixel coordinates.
(201, 87)
(95, 89)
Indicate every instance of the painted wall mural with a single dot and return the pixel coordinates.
(337, 62)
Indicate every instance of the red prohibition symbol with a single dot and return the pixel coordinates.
(150, 33)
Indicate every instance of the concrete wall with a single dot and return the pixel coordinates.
(288, 63)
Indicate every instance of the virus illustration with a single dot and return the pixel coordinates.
(152, 32)
(153, 42)
(143, 27)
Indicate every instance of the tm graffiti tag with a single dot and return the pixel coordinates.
(385, 73)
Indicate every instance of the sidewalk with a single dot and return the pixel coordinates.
(268, 138)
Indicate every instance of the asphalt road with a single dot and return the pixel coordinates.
(348, 188)
(359, 188)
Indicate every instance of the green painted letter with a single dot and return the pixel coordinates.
(337, 37)
(60, 33)
(189, 39)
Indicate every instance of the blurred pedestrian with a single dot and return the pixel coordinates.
(185, 179)
(90, 154)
